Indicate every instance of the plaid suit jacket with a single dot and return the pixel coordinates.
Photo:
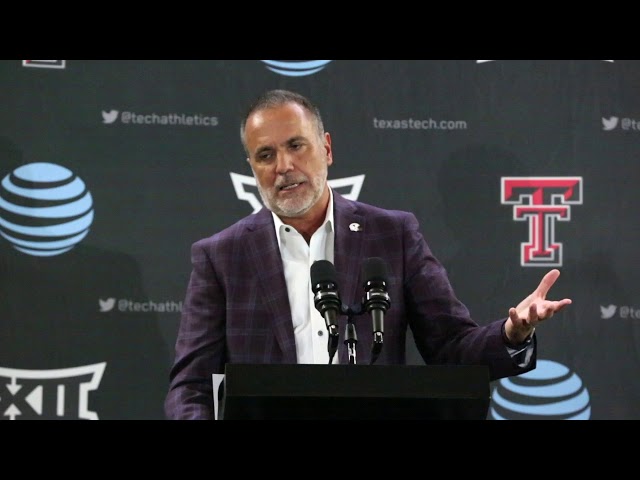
(236, 308)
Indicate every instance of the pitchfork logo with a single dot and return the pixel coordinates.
(541, 201)
(61, 394)
(246, 189)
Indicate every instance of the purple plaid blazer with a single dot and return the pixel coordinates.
(236, 308)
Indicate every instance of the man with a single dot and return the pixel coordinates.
(249, 298)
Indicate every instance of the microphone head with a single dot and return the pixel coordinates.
(376, 298)
(323, 272)
(374, 270)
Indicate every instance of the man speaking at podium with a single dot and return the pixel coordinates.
(250, 300)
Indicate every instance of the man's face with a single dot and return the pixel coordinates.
(288, 158)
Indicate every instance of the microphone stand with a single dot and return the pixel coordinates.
(376, 348)
(332, 341)
(351, 337)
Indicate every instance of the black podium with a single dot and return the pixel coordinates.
(354, 392)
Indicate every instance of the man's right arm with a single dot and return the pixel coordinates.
(200, 344)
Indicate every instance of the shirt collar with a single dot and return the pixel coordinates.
(328, 219)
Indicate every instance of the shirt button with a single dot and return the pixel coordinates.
(320, 333)
(287, 229)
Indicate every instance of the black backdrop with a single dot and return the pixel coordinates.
(89, 333)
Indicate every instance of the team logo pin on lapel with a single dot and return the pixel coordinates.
(355, 227)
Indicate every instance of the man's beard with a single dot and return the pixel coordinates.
(297, 205)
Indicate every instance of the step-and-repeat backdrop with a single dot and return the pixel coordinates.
(111, 169)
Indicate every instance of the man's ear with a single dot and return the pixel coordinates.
(328, 149)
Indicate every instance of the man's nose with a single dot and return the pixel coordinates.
(284, 163)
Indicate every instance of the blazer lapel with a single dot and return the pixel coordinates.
(266, 263)
(350, 230)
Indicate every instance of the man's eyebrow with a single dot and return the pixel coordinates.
(295, 139)
(264, 148)
(288, 141)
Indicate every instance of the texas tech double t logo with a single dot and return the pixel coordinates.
(541, 201)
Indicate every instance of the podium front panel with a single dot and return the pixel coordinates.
(355, 392)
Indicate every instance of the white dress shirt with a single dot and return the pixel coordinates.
(309, 326)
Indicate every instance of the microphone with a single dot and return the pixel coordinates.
(327, 299)
(376, 300)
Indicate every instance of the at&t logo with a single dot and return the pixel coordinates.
(44, 63)
(295, 68)
(45, 209)
(549, 392)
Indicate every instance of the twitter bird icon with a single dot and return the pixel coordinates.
(607, 312)
(106, 305)
(609, 123)
(109, 117)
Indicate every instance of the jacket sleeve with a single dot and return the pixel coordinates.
(200, 343)
(441, 324)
